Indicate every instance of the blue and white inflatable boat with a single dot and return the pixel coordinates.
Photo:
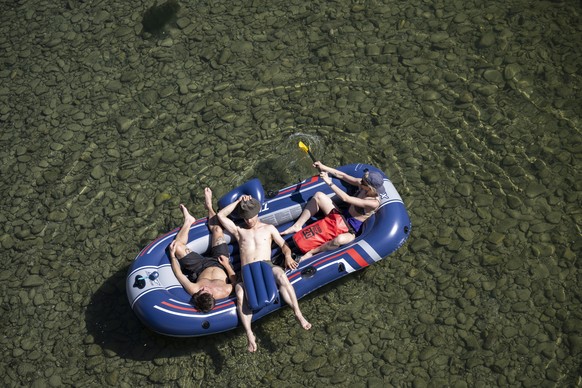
(160, 302)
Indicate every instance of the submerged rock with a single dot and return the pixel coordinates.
(158, 17)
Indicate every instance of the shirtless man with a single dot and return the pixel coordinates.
(209, 274)
(255, 245)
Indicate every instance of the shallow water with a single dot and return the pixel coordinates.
(472, 110)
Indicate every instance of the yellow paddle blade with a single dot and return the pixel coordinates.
(303, 147)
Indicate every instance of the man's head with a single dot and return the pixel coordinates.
(203, 300)
(249, 210)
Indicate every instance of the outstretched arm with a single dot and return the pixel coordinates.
(191, 288)
(337, 173)
(280, 241)
(360, 202)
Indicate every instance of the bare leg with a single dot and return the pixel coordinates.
(215, 228)
(245, 316)
(208, 202)
(182, 236)
(318, 202)
(342, 239)
(288, 293)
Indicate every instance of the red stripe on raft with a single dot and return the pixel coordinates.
(357, 257)
(180, 307)
(314, 179)
(143, 251)
(223, 306)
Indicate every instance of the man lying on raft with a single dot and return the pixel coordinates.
(361, 205)
(208, 275)
(254, 242)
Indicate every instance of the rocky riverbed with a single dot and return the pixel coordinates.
(472, 109)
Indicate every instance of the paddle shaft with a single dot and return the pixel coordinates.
(311, 155)
(305, 148)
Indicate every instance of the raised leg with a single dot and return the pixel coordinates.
(182, 236)
(216, 231)
(318, 202)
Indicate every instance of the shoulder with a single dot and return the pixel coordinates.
(270, 229)
(373, 201)
(193, 288)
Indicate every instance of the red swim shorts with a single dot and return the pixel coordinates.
(321, 231)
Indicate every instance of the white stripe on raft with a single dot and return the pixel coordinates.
(191, 315)
(348, 267)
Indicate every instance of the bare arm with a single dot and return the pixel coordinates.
(226, 222)
(360, 202)
(228, 268)
(280, 241)
(337, 173)
(191, 288)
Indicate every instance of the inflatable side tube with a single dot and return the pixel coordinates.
(254, 188)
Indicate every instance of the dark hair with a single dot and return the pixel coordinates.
(203, 302)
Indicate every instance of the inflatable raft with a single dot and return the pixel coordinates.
(160, 302)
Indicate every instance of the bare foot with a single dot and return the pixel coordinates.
(303, 322)
(208, 198)
(212, 219)
(306, 256)
(291, 229)
(187, 216)
(252, 342)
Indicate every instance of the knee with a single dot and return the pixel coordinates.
(180, 250)
(342, 239)
(215, 229)
(319, 196)
(280, 277)
(238, 290)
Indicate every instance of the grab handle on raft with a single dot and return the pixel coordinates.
(308, 272)
(139, 282)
